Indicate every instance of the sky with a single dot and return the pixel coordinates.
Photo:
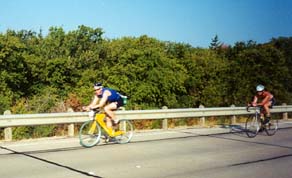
(194, 22)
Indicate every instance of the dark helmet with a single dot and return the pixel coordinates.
(97, 85)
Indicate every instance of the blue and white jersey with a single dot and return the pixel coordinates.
(114, 97)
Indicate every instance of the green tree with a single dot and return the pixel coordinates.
(215, 44)
(284, 44)
(13, 67)
(206, 78)
(253, 65)
(141, 68)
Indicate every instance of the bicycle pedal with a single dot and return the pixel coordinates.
(262, 129)
(110, 139)
(269, 125)
(104, 137)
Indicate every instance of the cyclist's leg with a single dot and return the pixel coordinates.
(111, 107)
(109, 110)
(108, 122)
(267, 111)
(272, 125)
(262, 118)
(110, 115)
(262, 115)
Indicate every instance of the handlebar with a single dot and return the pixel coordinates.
(257, 106)
(247, 108)
(95, 109)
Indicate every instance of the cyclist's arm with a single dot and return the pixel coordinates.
(265, 100)
(254, 102)
(92, 105)
(103, 100)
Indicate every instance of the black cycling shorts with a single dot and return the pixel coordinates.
(120, 102)
(273, 102)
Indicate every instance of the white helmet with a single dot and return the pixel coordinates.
(260, 87)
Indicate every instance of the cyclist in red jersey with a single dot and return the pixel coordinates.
(266, 99)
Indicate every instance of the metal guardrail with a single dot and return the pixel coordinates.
(8, 121)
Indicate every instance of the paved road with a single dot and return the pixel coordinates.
(180, 153)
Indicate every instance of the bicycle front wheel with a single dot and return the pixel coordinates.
(252, 126)
(127, 128)
(89, 134)
(272, 127)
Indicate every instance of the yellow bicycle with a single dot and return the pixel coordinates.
(93, 130)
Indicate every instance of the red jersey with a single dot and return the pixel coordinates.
(264, 97)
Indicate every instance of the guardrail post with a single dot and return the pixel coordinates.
(285, 114)
(70, 126)
(8, 130)
(233, 118)
(164, 121)
(202, 119)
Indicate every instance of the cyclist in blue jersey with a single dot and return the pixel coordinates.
(107, 98)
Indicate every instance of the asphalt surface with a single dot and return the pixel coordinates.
(221, 152)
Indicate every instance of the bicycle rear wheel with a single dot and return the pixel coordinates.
(271, 127)
(252, 125)
(127, 128)
(89, 134)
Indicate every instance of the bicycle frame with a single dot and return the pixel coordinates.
(91, 131)
(258, 109)
(254, 124)
(99, 118)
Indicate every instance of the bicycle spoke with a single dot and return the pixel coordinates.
(89, 134)
(252, 126)
(127, 128)
(272, 127)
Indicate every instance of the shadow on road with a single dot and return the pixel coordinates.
(236, 130)
(50, 162)
(261, 160)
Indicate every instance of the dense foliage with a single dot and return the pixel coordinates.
(50, 73)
